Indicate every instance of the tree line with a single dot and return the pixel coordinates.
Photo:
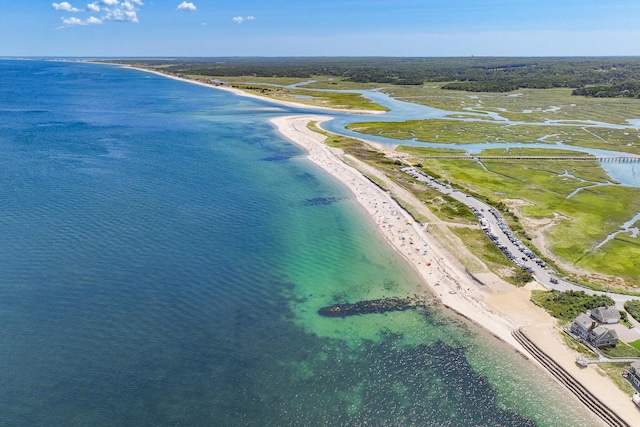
(598, 76)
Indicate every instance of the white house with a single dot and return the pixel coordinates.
(582, 326)
(606, 315)
(601, 336)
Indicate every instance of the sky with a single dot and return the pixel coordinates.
(166, 28)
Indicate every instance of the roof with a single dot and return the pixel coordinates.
(584, 321)
(606, 313)
(600, 331)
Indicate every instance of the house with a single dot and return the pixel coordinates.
(601, 336)
(587, 329)
(606, 315)
(632, 374)
(582, 326)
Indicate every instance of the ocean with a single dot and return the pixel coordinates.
(164, 254)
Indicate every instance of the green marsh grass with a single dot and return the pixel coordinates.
(349, 101)
(473, 132)
(543, 189)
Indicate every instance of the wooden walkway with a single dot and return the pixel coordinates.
(619, 159)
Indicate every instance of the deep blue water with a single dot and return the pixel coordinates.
(162, 259)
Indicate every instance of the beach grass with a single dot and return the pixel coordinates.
(566, 306)
(615, 371)
(578, 347)
(478, 243)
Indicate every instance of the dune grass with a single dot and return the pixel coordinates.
(615, 371)
(478, 242)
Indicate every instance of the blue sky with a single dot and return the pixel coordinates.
(319, 28)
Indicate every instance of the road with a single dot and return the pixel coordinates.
(494, 226)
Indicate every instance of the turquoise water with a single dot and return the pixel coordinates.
(164, 253)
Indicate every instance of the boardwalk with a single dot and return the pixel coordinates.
(619, 159)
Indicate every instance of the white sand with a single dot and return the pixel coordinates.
(454, 289)
(240, 92)
(497, 306)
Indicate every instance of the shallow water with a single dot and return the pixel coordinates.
(165, 253)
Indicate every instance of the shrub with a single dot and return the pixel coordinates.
(633, 308)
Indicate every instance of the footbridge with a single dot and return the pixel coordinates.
(619, 159)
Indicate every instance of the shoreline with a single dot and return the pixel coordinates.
(494, 305)
(398, 227)
(240, 92)
(454, 288)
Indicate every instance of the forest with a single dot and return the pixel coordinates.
(589, 76)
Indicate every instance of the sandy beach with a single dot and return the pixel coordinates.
(494, 305)
(240, 92)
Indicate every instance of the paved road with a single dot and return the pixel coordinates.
(495, 227)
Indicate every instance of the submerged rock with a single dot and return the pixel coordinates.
(375, 306)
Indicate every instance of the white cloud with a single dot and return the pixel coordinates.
(112, 10)
(121, 14)
(73, 21)
(65, 6)
(186, 6)
(127, 6)
(123, 11)
(240, 19)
